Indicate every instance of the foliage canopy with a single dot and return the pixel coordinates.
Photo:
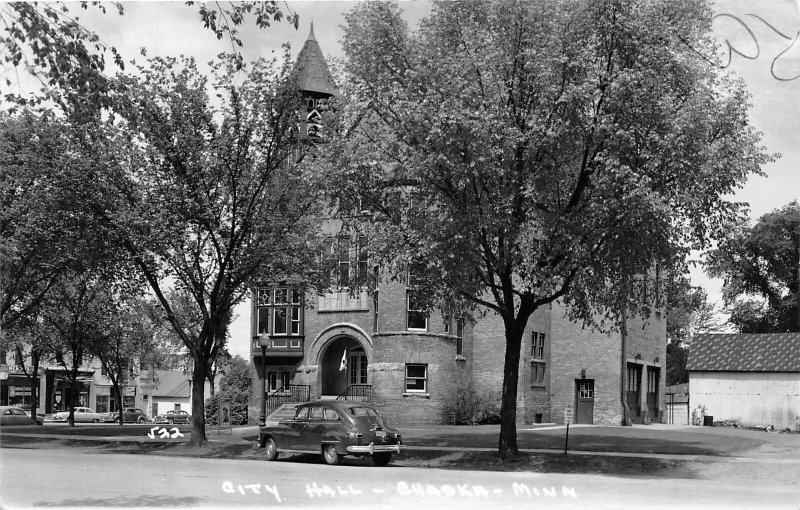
(522, 153)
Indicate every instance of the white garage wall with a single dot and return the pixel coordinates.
(168, 403)
(751, 398)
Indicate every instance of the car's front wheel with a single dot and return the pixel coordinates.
(330, 454)
(171, 421)
(95, 421)
(141, 419)
(381, 459)
(271, 449)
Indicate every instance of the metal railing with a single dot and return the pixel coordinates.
(357, 392)
(287, 393)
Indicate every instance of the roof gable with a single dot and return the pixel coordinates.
(745, 352)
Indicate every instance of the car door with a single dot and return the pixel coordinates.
(312, 434)
(18, 417)
(21, 417)
(80, 415)
(294, 428)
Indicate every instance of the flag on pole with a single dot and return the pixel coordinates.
(343, 364)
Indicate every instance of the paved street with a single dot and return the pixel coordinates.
(90, 475)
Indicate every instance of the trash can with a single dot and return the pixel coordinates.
(708, 421)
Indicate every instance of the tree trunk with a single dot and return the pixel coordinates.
(34, 381)
(507, 446)
(120, 406)
(73, 397)
(198, 404)
(211, 377)
(623, 367)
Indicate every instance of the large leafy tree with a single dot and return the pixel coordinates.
(523, 153)
(72, 312)
(206, 198)
(37, 228)
(121, 339)
(54, 255)
(760, 265)
(29, 338)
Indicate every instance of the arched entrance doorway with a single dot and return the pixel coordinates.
(343, 364)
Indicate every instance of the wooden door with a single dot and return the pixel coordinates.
(584, 405)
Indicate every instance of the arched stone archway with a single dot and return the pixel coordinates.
(343, 353)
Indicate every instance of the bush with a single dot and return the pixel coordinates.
(466, 405)
(238, 403)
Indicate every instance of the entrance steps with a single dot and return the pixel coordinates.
(284, 412)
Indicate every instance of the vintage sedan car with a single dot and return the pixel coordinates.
(174, 416)
(333, 428)
(82, 415)
(10, 415)
(129, 414)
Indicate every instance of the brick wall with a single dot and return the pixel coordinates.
(646, 348)
(569, 349)
(576, 348)
(392, 352)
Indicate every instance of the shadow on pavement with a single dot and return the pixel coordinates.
(640, 466)
(133, 502)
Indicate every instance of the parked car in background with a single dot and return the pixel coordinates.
(333, 428)
(129, 414)
(82, 415)
(10, 415)
(174, 416)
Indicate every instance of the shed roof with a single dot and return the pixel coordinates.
(312, 70)
(745, 352)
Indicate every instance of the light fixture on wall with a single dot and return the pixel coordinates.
(638, 355)
(583, 373)
(656, 360)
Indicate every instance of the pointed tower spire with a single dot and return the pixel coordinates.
(312, 70)
(311, 34)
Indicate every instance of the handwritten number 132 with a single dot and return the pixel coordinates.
(164, 433)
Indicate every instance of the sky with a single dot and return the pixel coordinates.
(762, 37)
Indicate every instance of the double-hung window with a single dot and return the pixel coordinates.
(350, 256)
(416, 377)
(538, 363)
(417, 317)
(459, 337)
(537, 345)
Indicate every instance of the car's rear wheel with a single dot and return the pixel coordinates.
(271, 448)
(330, 454)
(381, 459)
(141, 419)
(171, 421)
(95, 421)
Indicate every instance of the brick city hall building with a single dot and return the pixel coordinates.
(373, 345)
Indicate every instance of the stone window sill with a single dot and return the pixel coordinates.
(417, 395)
(459, 357)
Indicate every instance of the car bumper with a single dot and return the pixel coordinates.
(376, 448)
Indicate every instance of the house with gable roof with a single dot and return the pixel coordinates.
(752, 378)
